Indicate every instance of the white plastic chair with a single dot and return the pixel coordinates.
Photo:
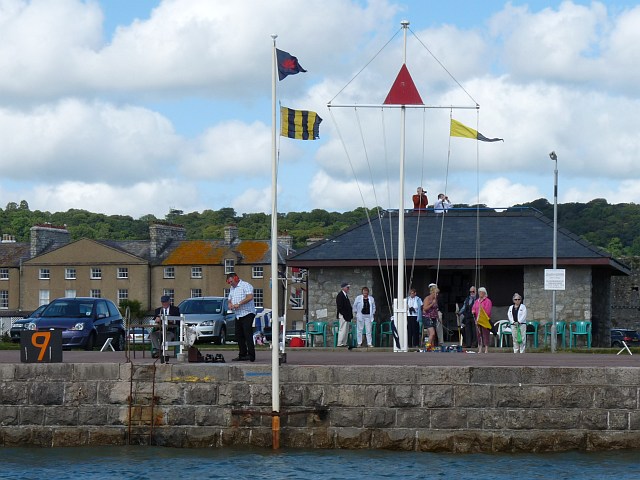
(503, 328)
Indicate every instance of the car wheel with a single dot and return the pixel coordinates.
(118, 342)
(222, 339)
(91, 342)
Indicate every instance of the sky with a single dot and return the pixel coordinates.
(136, 107)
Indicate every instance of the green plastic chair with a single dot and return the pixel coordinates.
(560, 330)
(386, 333)
(580, 327)
(335, 328)
(535, 326)
(315, 329)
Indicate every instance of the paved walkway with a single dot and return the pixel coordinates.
(376, 356)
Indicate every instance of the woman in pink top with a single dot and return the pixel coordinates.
(483, 332)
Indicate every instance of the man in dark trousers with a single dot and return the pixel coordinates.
(344, 314)
(468, 322)
(241, 302)
(168, 310)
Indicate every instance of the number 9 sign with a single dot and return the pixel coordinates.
(41, 347)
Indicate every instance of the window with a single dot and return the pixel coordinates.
(4, 299)
(123, 272)
(257, 272)
(70, 293)
(96, 274)
(4, 274)
(169, 272)
(45, 274)
(298, 274)
(95, 293)
(123, 294)
(196, 292)
(69, 273)
(229, 266)
(169, 292)
(43, 297)
(296, 298)
(258, 297)
(196, 272)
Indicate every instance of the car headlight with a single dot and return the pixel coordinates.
(31, 326)
(78, 326)
(207, 323)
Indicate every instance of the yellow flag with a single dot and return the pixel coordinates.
(483, 319)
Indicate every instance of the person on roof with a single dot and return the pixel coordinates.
(420, 200)
(442, 204)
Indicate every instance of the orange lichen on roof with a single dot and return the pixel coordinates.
(196, 252)
(252, 251)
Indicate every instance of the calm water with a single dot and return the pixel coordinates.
(191, 464)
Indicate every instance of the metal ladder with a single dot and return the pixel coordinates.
(142, 402)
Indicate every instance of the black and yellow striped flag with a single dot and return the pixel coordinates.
(299, 124)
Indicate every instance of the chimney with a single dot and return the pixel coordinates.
(286, 241)
(230, 234)
(47, 237)
(8, 238)
(161, 234)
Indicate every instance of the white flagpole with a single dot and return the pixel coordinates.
(275, 311)
(401, 307)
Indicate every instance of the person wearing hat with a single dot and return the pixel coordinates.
(242, 303)
(156, 336)
(344, 313)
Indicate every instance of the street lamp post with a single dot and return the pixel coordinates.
(554, 330)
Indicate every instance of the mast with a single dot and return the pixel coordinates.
(275, 310)
(400, 306)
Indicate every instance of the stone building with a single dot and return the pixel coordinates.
(506, 252)
(52, 266)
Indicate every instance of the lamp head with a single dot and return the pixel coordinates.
(553, 156)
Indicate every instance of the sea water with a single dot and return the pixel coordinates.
(172, 463)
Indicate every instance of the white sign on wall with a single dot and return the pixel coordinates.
(554, 279)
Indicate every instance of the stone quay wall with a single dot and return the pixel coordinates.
(446, 409)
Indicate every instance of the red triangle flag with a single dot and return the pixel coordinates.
(403, 91)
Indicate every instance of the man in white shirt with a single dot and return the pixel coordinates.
(442, 204)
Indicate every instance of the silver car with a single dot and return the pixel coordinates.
(210, 317)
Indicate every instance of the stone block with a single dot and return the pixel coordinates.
(476, 396)
(61, 416)
(449, 419)
(80, 393)
(345, 417)
(202, 437)
(170, 393)
(525, 396)
(212, 416)
(612, 440)
(43, 372)
(95, 371)
(93, 415)
(437, 396)
(593, 419)
(46, 393)
(352, 438)
(181, 415)
(200, 372)
(495, 375)
(28, 435)
(292, 395)
(14, 393)
(115, 392)
(618, 420)
(393, 439)
(614, 396)
(107, 436)
(9, 415)
(261, 395)
(413, 418)
(235, 394)
(7, 371)
(403, 396)
(31, 415)
(378, 417)
(443, 376)
(69, 437)
(571, 396)
(317, 375)
(201, 394)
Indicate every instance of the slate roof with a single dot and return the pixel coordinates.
(12, 253)
(514, 237)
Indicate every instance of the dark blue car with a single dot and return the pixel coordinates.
(20, 325)
(619, 335)
(85, 322)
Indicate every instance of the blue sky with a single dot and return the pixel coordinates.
(138, 106)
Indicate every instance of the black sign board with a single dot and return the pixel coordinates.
(41, 347)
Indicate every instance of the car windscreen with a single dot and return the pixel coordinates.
(201, 307)
(68, 309)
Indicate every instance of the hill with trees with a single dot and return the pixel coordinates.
(615, 228)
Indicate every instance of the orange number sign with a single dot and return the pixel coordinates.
(41, 340)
